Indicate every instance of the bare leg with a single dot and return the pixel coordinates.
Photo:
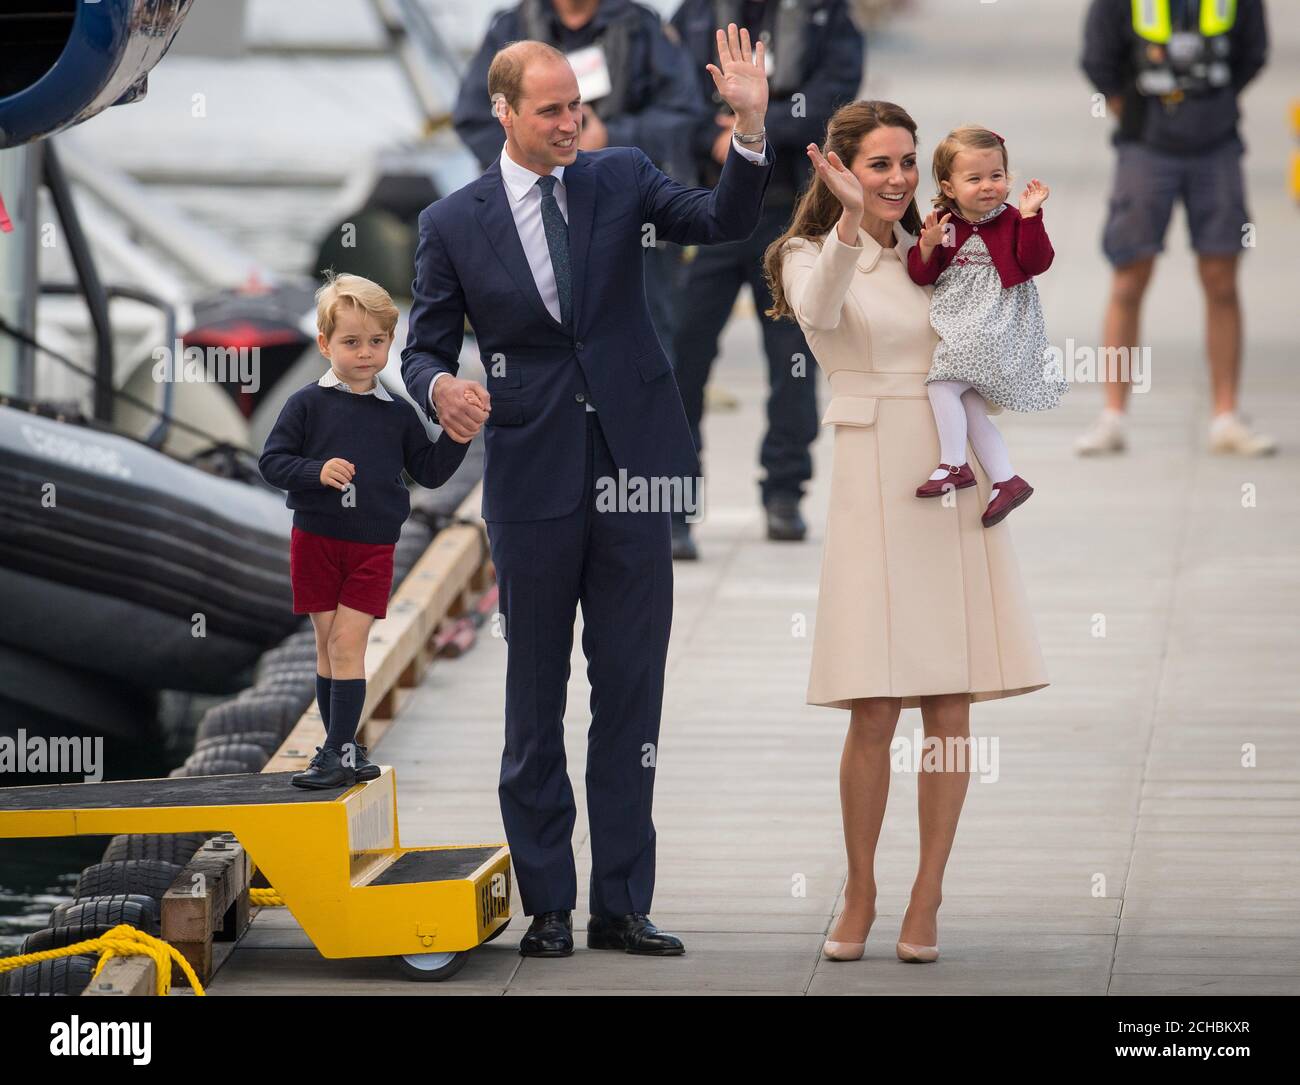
(1128, 287)
(864, 789)
(1222, 328)
(347, 642)
(939, 801)
(322, 622)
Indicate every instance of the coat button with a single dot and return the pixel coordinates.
(580, 398)
(578, 344)
(976, 229)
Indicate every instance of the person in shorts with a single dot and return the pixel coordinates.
(1172, 70)
(338, 449)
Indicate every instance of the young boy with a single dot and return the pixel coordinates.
(338, 449)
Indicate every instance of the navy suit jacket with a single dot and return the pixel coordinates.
(540, 373)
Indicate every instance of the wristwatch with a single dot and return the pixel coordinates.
(757, 137)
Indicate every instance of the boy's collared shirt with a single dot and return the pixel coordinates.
(333, 380)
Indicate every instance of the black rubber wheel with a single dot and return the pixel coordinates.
(253, 710)
(169, 847)
(297, 648)
(61, 976)
(423, 969)
(148, 877)
(86, 918)
(266, 741)
(224, 748)
(58, 937)
(217, 763)
(297, 682)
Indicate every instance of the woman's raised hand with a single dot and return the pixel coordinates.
(838, 178)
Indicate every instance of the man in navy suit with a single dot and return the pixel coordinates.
(543, 254)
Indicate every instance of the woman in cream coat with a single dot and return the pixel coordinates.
(920, 605)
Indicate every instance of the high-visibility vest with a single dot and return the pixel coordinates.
(1172, 62)
(1152, 23)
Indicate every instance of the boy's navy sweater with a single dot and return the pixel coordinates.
(378, 437)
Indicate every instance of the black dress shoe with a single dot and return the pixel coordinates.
(326, 770)
(359, 762)
(550, 934)
(633, 934)
(784, 523)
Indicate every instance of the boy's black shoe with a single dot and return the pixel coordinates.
(361, 764)
(633, 934)
(326, 770)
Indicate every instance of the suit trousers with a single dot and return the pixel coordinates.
(617, 564)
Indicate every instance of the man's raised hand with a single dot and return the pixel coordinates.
(742, 80)
(463, 407)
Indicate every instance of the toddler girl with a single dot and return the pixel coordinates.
(981, 256)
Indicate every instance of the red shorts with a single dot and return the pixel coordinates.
(326, 572)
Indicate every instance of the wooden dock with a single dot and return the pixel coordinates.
(1124, 848)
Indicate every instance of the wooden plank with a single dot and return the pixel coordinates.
(209, 898)
(124, 976)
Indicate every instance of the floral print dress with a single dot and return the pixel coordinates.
(991, 336)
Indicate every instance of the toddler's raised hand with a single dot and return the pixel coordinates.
(337, 472)
(1034, 195)
(932, 233)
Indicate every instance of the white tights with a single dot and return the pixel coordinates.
(958, 413)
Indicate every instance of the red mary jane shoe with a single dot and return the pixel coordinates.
(958, 478)
(1011, 494)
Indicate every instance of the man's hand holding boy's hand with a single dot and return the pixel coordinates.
(337, 472)
(463, 406)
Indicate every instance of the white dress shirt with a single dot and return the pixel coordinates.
(525, 200)
(333, 380)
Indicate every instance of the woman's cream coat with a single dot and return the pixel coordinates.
(917, 596)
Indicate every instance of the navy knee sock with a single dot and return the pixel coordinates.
(323, 699)
(347, 696)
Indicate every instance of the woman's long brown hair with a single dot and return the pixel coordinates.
(817, 210)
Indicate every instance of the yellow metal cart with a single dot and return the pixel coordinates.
(333, 856)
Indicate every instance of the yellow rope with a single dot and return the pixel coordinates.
(121, 941)
(265, 898)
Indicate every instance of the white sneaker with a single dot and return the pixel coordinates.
(1103, 436)
(1230, 434)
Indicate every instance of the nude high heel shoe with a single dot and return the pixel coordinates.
(914, 954)
(917, 954)
(845, 951)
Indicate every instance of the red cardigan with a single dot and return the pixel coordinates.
(1018, 246)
